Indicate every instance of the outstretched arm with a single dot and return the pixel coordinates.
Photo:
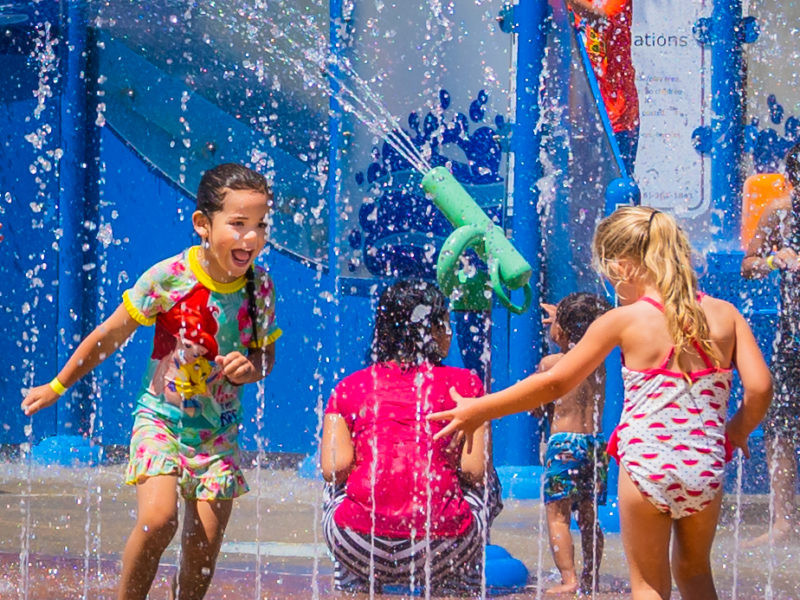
(757, 384)
(94, 349)
(538, 389)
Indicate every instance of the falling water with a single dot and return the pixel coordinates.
(260, 407)
(737, 524)
(542, 522)
(596, 428)
(25, 509)
(423, 408)
(305, 51)
(319, 410)
(334, 74)
(768, 591)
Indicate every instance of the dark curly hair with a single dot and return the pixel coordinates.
(577, 311)
(210, 196)
(404, 319)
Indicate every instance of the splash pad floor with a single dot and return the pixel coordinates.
(73, 523)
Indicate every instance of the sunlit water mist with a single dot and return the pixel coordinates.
(307, 53)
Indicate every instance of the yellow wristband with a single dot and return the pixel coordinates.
(771, 262)
(57, 386)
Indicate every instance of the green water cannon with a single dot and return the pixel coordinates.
(474, 229)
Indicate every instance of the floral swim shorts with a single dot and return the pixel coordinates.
(576, 467)
(207, 464)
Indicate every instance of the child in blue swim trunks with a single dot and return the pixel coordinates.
(576, 462)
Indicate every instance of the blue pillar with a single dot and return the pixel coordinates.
(330, 278)
(71, 444)
(74, 408)
(727, 104)
(516, 438)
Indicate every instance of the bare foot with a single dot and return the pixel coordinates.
(564, 588)
(776, 536)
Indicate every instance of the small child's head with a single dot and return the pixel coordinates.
(231, 219)
(639, 245)
(574, 314)
(412, 324)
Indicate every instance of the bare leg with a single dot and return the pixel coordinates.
(691, 553)
(592, 542)
(645, 537)
(782, 466)
(558, 516)
(203, 529)
(156, 523)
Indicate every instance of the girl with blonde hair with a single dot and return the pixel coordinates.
(679, 350)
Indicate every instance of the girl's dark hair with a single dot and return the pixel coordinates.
(404, 319)
(210, 197)
(577, 311)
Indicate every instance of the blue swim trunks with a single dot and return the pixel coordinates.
(570, 467)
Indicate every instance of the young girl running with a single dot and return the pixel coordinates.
(404, 509)
(214, 315)
(679, 348)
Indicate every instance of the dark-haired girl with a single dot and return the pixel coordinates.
(214, 314)
(402, 508)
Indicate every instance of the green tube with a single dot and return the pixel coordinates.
(461, 210)
(452, 199)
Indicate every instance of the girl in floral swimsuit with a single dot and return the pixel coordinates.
(671, 441)
(214, 316)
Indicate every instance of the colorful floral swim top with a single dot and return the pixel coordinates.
(196, 320)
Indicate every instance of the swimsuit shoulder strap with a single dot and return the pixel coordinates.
(655, 303)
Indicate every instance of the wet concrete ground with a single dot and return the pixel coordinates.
(73, 522)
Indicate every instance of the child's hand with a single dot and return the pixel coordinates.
(237, 368)
(550, 309)
(461, 419)
(38, 398)
(737, 438)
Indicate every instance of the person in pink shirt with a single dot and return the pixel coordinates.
(401, 508)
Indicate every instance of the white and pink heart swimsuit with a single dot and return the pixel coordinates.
(671, 436)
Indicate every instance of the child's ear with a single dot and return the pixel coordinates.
(627, 269)
(620, 269)
(201, 224)
(557, 334)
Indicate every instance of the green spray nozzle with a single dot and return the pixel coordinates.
(474, 229)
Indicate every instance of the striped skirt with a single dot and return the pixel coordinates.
(453, 565)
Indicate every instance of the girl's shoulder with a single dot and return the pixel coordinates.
(362, 378)
(718, 311)
(714, 305)
(173, 265)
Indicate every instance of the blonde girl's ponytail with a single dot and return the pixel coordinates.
(667, 257)
(653, 241)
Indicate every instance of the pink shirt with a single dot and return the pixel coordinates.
(385, 407)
